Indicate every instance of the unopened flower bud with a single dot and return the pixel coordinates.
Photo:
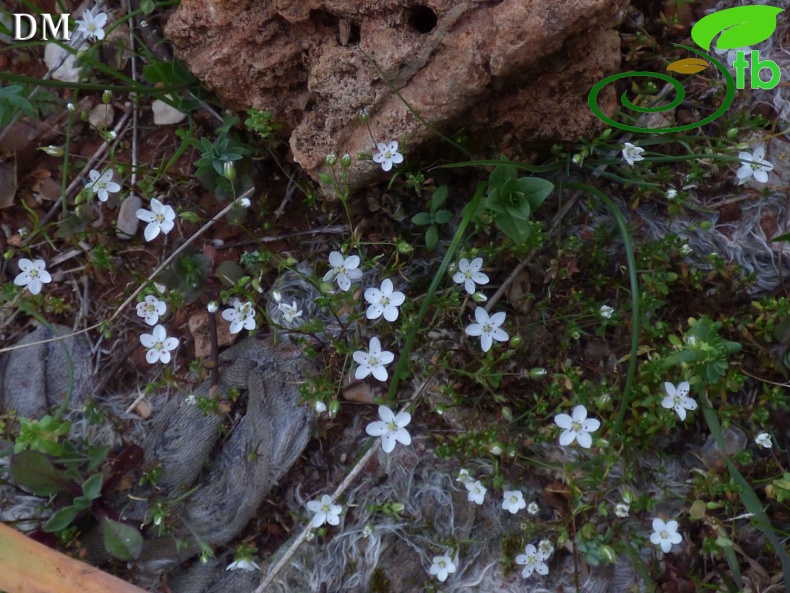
(52, 150)
(345, 161)
(212, 307)
(515, 341)
(578, 159)
(277, 296)
(507, 413)
(331, 159)
(537, 372)
(732, 133)
(672, 194)
(106, 97)
(229, 170)
(479, 297)
(244, 202)
(608, 554)
(363, 115)
(71, 107)
(320, 407)
(334, 408)
(404, 248)
(495, 448)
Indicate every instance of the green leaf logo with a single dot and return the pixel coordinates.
(739, 27)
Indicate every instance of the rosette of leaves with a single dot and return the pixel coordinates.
(434, 217)
(703, 350)
(512, 199)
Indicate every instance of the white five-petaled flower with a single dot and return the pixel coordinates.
(92, 24)
(545, 548)
(513, 501)
(324, 511)
(632, 153)
(373, 361)
(388, 155)
(686, 249)
(102, 184)
(758, 167)
(243, 564)
(158, 344)
(665, 534)
(621, 509)
(33, 274)
(344, 270)
(533, 561)
(384, 301)
(763, 440)
(464, 477)
(672, 193)
(442, 566)
(533, 508)
(390, 428)
(577, 427)
(469, 274)
(242, 315)
(476, 492)
(320, 406)
(677, 398)
(151, 309)
(290, 312)
(606, 311)
(190, 399)
(159, 218)
(487, 328)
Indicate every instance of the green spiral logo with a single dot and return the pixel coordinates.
(680, 92)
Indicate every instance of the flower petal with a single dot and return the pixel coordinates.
(386, 414)
(474, 330)
(567, 437)
(376, 429)
(336, 259)
(563, 420)
(388, 442)
(584, 440)
(481, 315)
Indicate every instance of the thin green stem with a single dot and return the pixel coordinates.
(416, 324)
(636, 318)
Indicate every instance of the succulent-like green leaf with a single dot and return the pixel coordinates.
(34, 472)
(443, 216)
(60, 519)
(121, 540)
(421, 218)
(432, 237)
(91, 488)
(438, 198)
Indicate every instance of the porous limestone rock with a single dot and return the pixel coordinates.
(514, 71)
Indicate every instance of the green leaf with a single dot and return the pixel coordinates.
(438, 198)
(91, 488)
(535, 190)
(740, 26)
(60, 519)
(121, 541)
(521, 213)
(97, 457)
(432, 237)
(785, 237)
(172, 73)
(518, 232)
(229, 272)
(443, 216)
(421, 218)
(34, 472)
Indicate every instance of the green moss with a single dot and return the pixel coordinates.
(379, 581)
